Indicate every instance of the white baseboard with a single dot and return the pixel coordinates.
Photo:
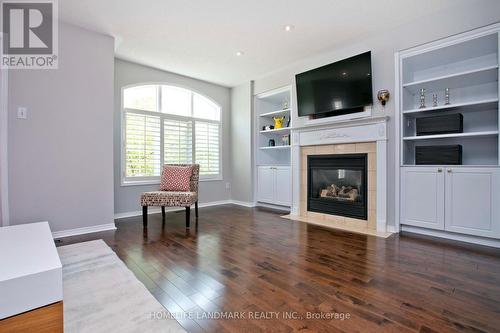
(84, 230)
(453, 236)
(243, 203)
(277, 207)
(157, 210)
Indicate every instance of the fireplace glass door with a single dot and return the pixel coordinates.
(337, 184)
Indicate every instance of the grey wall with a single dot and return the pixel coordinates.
(60, 158)
(241, 140)
(383, 46)
(3, 145)
(127, 73)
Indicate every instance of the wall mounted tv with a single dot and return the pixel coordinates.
(336, 89)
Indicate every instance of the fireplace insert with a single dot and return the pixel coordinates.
(337, 185)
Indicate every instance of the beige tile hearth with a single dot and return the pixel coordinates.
(337, 222)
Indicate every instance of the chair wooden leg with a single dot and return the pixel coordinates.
(163, 213)
(188, 216)
(145, 216)
(196, 209)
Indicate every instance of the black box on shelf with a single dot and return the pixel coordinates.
(438, 155)
(445, 124)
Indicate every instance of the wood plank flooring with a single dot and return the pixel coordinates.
(301, 276)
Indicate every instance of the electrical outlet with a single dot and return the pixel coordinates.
(22, 113)
(228, 186)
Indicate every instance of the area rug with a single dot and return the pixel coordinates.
(101, 294)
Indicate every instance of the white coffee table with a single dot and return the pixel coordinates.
(30, 270)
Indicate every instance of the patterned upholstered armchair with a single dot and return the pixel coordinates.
(173, 198)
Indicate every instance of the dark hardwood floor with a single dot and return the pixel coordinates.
(251, 260)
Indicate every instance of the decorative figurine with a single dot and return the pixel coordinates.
(422, 98)
(278, 122)
(285, 140)
(434, 100)
(272, 143)
(285, 104)
(447, 96)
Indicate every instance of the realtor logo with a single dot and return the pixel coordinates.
(30, 34)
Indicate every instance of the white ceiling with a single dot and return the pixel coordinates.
(200, 38)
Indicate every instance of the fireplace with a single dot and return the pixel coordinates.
(337, 185)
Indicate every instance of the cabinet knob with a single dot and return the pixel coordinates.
(440, 170)
(448, 170)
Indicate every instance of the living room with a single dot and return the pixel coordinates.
(324, 166)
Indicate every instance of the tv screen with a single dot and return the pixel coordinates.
(339, 88)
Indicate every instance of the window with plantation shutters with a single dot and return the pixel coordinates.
(168, 125)
(207, 147)
(142, 145)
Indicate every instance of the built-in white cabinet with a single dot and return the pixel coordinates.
(455, 199)
(272, 152)
(274, 185)
(472, 202)
(422, 197)
(265, 184)
(455, 75)
(283, 191)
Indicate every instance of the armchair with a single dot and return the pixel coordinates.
(173, 198)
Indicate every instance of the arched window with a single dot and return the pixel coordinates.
(165, 124)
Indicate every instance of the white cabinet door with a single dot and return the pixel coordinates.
(472, 201)
(265, 184)
(422, 197)
(283, 188)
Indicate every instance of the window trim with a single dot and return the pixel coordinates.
(155, 180)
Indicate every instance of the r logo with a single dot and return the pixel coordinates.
(28, 27)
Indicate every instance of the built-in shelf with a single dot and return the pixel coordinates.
(469, 68)
(471, 105)
(275, 113)
(276, 147)
(277, 130)
(455, 80)
(436, 197)
(453, 135)
(272, 171)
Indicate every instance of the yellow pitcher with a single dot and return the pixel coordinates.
(278, 122)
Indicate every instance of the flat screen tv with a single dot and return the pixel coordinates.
(335, 89)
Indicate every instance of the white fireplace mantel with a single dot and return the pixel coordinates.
(351, 131)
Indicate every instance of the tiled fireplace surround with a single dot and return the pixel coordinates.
(357, 136)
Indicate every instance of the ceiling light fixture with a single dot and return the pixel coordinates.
(239, 53)
(288, 27)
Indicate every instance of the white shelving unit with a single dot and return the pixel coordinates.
(267, 106)
(443, 200)
(273, 163)
(469, 68)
